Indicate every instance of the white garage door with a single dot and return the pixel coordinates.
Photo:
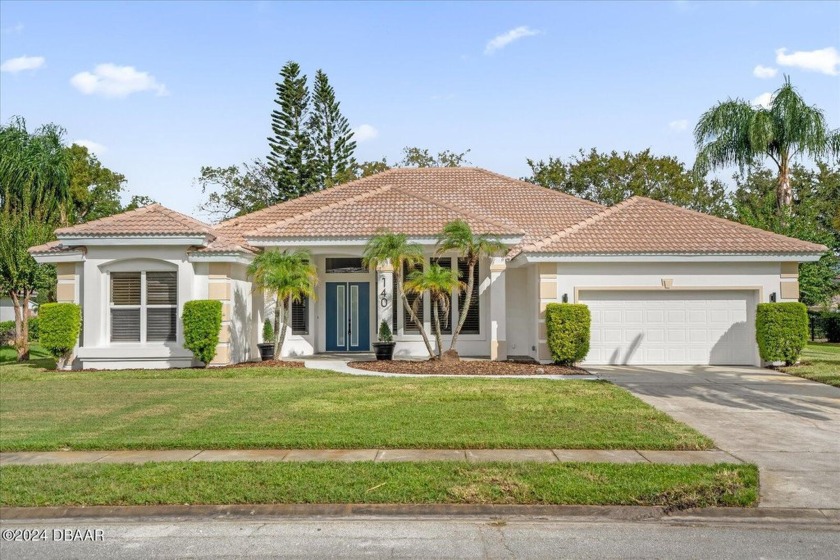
(671, 327)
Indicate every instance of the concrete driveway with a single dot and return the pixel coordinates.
(789, 427)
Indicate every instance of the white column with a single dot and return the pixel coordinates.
(498, 310)
(385, 296)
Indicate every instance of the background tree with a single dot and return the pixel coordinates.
(289, 276)
(440, 283)
(458, 237)
(814, 204)
(734, 132)
(609, 178)
(331, 134)
(387, 248)
(234, 190)
(421, 157)
(138, 201)
(291, 157)
(94, 189)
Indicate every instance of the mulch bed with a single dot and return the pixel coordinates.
(267, 363)
(467, 367)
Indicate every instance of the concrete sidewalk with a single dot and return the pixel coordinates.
(376, 455)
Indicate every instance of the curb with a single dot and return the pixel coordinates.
(616, 513)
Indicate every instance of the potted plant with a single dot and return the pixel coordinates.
(385, 347)
(267, 345)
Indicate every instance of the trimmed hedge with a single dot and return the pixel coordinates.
(831, 325)
(60, 324)
(568, 326)
(202, 323)
(781, 330)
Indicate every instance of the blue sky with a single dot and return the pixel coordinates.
(199, 86)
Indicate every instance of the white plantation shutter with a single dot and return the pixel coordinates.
(144, 299)
(472, 324)
(125, 325)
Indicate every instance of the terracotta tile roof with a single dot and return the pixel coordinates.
(148, 220)
(478, 196)
(52, 248)
(383, 207)
(641, 225)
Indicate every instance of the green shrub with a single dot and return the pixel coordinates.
(202, 323)
(34, 328)
(7, 333)
(385, 332)
(831, 325)
(568, 326)
(59, 326)
(781, 330)
(268, 332)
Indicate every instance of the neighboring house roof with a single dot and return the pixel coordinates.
(419, 202)
(52, 248)
(148, 220)
(640, 225)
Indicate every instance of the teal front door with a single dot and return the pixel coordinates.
(348, 316)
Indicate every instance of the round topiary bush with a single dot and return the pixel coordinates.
(568, 331)
(781, 330)
(59, 327)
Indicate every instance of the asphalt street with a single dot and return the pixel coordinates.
(431, 537)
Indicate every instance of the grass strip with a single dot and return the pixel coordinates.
(672, 486)
(820, 362)
(259, 408)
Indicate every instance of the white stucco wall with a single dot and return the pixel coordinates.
(522, 302)
(97, 351)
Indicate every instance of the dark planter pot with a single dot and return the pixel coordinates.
(384, 350)
(266, 351)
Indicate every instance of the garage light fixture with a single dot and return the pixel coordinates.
(773, 297)
(565, 298)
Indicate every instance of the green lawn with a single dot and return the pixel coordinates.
(820, 362)
(296, 408)
(672, 486)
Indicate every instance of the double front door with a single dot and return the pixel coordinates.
(348, 316)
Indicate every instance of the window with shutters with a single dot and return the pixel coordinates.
(409, 326)
(300, 316)
(144, 306)
(472, 325)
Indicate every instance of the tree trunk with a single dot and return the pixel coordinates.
(436, 318)
(414, 318)
(784, 192)
(280, 330)
(465, 306)
(21, 324)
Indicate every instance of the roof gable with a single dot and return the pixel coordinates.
(149, 220)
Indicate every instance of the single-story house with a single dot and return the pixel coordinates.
(665, 285)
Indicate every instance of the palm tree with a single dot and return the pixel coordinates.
(290, 276)
(457, 236)
(440, 283)
(734, 132)
(394, 249)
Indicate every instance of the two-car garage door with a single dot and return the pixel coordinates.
(671, 327)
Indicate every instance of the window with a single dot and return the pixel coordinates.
(472, 325)
(144, 306)
(345, 265)
(409, 326)
(300, 316)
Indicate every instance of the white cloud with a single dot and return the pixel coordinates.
(679, 125)
(21, 63)
(764, 71)
(92, 146)
(110, 80)
(365, 132)
(15, 29)
(824, 61)
(501, 41)
(763, 100)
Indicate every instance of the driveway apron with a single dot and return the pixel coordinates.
(788, 426)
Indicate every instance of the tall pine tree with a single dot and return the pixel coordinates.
(292, 152)
(331, 135)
